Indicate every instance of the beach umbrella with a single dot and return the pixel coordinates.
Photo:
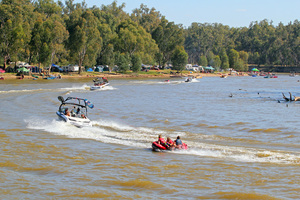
(23, 69)
(255, 70)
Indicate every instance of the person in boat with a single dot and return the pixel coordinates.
(78, 111)
(73, 112)
(104, 79)
(161, 140)
(67, 112)
(178, 142)
(170, 143)
(83, 116)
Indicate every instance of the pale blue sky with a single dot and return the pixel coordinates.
(235, 13)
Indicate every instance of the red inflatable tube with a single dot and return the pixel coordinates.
(158, 147)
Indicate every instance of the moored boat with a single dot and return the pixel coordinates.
(73, 110)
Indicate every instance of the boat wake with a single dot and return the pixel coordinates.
(83, 87)
(107, 131)
(102, 89)
(73, 88)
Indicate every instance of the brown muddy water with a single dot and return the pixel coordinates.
(240, 147)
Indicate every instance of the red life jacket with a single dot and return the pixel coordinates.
(162, 140)
(170, 142)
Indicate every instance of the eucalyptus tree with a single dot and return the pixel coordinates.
(15, 16)
(217, 62)
(243, 55)
(123, 61)
(179, 58)
(234, 59)
(49, 33)
(203, 61)
(224, 59)
(107, 27)
(84, 37)
(167, 36)
(116, 11)
(149, 19)
(136, 63)
(133, 39)
(201, 39)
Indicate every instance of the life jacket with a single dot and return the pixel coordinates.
(170, 143)
(162, 141)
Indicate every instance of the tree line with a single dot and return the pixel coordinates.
(46, 32)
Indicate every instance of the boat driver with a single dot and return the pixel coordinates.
(67, 112)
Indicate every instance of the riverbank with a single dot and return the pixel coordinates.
(153, 74)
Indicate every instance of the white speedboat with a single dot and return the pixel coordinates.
(99, 83)
(190, 79)
(73, 110)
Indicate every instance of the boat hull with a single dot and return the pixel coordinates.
(76, 121)
(98, 87)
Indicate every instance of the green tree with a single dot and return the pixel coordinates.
(203, 61)
(244, 59)
(217, 62)
(136, 63)
(224, 59)
(149, 19)
(14, 28)
(179, 58)
(123, 62)
(167, 36)
(234, 59)
(84, 41)
(39, 42)
(132, 39)
(210, 58)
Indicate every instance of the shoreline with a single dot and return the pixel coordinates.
(11, 76)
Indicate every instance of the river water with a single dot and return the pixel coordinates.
(243, 140)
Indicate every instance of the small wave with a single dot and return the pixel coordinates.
(238, 124)
(241, 195)
(269, 130)
(139, 184)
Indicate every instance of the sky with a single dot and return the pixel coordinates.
(234, 13)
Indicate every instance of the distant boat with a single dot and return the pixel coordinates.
(99, 83)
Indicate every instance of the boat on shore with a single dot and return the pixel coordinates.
(73, 110)
(99, 83)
